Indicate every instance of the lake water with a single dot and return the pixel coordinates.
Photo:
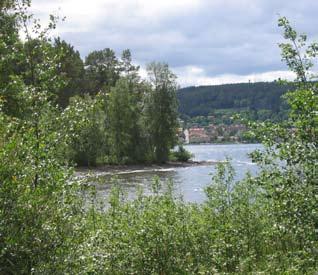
(189, 182)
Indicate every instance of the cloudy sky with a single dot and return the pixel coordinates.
(204, 41)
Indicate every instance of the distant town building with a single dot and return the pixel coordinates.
(186, 136)
(198, 135)
(213, 133)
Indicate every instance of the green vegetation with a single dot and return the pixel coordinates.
(181, 154)
(264, 224)
(161, 111)
(122, 118)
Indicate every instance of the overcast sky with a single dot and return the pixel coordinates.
(204, 41)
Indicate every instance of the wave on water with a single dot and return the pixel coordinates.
(143, 171)
(216, 161)
(124, 172)
(234, 161)
(246, 162)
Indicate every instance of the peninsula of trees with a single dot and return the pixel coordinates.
(120, 118)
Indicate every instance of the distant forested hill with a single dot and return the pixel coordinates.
(262, 98)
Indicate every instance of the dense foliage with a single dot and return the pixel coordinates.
(181, 154)
(265, 224)
(123, 114)
(39, 211)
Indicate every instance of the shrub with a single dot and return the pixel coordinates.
(181, 154)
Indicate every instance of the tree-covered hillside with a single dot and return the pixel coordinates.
(264, 98)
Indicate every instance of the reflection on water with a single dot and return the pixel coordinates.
(189, 182)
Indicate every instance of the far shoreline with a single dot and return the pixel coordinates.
(222, 143)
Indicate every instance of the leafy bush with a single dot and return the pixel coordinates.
(181, 154)
(84, 119)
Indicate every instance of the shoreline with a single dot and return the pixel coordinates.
(133, 168)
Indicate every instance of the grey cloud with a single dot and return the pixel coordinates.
(222, 37)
